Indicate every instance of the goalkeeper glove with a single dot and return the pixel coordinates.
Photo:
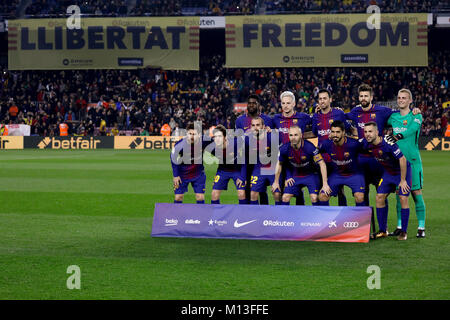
(393, 138)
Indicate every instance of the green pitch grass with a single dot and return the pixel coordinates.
(94, 209)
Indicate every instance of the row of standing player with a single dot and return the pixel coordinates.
(372, 165)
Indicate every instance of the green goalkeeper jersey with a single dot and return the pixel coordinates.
(409, 126)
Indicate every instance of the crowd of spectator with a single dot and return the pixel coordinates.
(21, 8)
(352, 6)
(15, 8)
(145, 99)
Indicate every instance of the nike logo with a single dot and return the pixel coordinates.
(238, 225)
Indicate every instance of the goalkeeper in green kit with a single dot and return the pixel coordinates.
(406, 130)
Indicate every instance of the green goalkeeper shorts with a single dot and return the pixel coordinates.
(416, 175)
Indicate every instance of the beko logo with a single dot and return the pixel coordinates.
(171, 222)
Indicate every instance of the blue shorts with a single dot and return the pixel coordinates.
(389, 183)
(222, 177)
(259, 183)
(311, 181)
(283, 182)
(354, 182)
(371, 169)
(198, 184)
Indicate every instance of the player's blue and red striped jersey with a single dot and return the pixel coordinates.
(263, 146)
(359, 117)
(386, 154)
(344, 159)
(321, 123)
(282, 123)
(187, 159)
(299, 162)
(231, 156)
(244, 122)
(377, 113)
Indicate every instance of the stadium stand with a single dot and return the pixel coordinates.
(50, 8)
(140, 101)
(349, 6)
(148, 98)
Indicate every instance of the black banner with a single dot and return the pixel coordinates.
(434, 143)
(69, 143)
(123, 142)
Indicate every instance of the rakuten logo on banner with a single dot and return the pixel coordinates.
(276, 223)
(212, 22)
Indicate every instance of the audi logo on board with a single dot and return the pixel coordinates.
(351, 224)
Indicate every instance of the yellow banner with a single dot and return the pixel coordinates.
(11, 142)
(104, 43)
(344, 40)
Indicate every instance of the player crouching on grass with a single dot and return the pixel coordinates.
(187, 165)
(261, 146)
(343, 153)
(228, 151)
(397, 172)
(300, 157)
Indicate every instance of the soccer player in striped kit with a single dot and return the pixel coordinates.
(261, 147)
(283, 121)
(228, 150)
(289, 117)
(187, 165)
(360, 115)
(343, 152)
(300, 158)
(244, 122)
(321, 127)
(397, 173)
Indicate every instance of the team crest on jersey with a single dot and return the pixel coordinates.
(303, 158)
(373, 115)
(346, 154)
(295, 121)
(330, 121)
(405, 122)
(380, 153)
